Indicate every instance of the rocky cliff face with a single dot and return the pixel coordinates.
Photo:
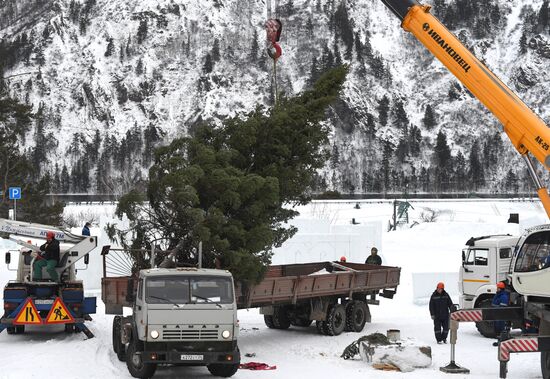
(109, 80)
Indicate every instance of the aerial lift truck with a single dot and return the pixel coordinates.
(46, 302)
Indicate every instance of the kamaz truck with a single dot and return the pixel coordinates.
(179, 316)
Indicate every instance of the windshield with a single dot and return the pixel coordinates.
(534, 255)
(188, 290)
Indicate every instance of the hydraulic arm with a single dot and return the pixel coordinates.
(525, 129)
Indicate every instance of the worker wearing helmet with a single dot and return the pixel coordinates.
(440, 308)
(49, 257)
(501, 299)
(343, 259)
(373, 258)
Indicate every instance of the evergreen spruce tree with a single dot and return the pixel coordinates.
(139, 67)
(511, 182)
(383, 110)
(110, 48)
(400, 115)
(335, 157)
(523, 43)
(65, 180)
(365, 182)
(227, 186)
(429, 118)
(385, 169)
(216, 50)
(370, 127)
(314, 72)
(402, 149)
(208, 64)
(415, 139)
(358, 47)
(460, 172)
(544, 15)
(475, 171)
(344, 28)
(142, 32)
(254, 48)
(442, 161)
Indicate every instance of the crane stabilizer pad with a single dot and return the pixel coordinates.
(59, 314)
(453, 368)
(28, 315)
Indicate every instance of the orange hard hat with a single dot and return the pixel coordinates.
(342, 259)
(441, 285)
(501, 285)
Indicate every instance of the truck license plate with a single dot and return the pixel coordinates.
(186, 357)
(46, 301)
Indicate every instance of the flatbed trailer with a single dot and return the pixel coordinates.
(335, 295)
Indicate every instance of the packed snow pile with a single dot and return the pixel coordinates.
(404, 357)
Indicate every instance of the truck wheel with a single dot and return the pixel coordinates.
(135, 365)
(320, 325)
(357, 314)
(545, 364)
(118, 347)
(280, 318)
(20, 329)
(268, 319)
(222, 370)
(336, 320)
(486, 328)
(69, 328)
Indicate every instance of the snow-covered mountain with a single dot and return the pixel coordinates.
(109, 80)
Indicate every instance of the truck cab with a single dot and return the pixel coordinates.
(181, 316)
(531, 266)
(485, 261)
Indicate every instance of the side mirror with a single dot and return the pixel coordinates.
(8, 258)
(130, 298)
(87, 259)
(463, 257)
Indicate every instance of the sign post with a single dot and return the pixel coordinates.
(15, 194)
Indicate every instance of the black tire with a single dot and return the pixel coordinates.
(224, 371)
(135, 365)
(20, 329)
(69, 328)
(11, 330)
(268, 319)
(320, 325)
(280, 318)
(486, 328)
(545, 364)
(118, 347)
(115, 334)
(357, 314)
(336, 320)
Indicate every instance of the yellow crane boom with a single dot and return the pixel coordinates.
(527, 132)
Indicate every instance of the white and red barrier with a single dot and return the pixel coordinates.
(517, 345)
(469, 315)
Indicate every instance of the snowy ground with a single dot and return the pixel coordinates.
(302, 353)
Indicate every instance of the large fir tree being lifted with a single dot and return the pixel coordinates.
(230, 187)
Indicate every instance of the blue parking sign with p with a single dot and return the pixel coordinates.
(15, 193)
